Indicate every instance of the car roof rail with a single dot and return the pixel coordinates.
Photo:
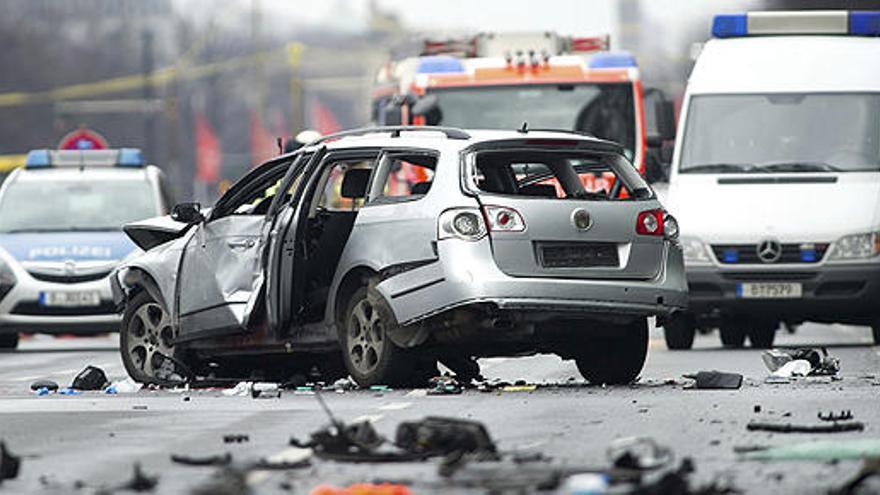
(395, 130)
(526, 130)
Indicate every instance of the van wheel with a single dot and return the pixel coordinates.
(616, 360)
(146, 338)
(10, 340)
(732, 333)
(679, 331)
(762, 334)
(370, 356)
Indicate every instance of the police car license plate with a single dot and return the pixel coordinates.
(70, 298)
(769, 290)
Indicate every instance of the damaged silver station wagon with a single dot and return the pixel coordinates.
(401, 247)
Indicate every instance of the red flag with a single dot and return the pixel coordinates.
(324, 120)
(208, 153)
(263, 146)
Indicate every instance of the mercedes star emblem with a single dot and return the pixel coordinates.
(769, 251)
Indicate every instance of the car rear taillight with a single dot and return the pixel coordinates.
(503, 219)
(462, 223)
(650, 223)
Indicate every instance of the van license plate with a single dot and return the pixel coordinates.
(769, 290)
(70, 299)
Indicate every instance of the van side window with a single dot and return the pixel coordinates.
(405, 177)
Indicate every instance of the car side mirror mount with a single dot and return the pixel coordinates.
(188, 213)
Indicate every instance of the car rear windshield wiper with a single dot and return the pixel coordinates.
(800, 167)
(723, 168)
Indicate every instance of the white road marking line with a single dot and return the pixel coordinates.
(419, 392)
(395, 406)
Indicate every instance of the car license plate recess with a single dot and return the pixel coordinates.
(769, 290)
(70, 299)
(577, 254)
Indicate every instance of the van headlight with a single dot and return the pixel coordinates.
(693, 250)
(856, 246)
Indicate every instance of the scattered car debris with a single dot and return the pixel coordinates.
(641, 453)
(442, 436)
(818, 362)
(240, 389)
(444, 385)
(90, 378)
(831, 416)
(835, 427)
(709, 380)
(344, 385)
(140, 481)
(227, 480)
(363, 489)
(127, 386)
(211, 460)
(265, 390)
(47, 384)
(9, 464)
(236, 438)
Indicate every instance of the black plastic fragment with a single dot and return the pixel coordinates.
(90, 378)
(716, 380)
(9, 464)
(211, 460)
(140, 482)
(236, 438)
(48, 384)
(796, 428)
(831, 416)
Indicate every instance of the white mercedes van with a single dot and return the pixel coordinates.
(775, 179)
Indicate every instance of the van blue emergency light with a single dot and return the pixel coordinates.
(861, 23)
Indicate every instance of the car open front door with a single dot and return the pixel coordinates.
(220, 280)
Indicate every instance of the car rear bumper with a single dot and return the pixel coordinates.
(21, 310)
(465, 274)
(841, 293)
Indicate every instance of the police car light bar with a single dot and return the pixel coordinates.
(124, 157)
(859, 23)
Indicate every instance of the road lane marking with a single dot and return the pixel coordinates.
(395, 406)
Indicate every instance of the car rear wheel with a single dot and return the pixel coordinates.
(146, 341)
(679, 331)
(370, 355)
(762, 334)
(615, 360)
(10, 340)
(733, 335)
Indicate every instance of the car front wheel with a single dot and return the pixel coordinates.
(617, 359)
(8, 340)
(146, 341)
(370, 355)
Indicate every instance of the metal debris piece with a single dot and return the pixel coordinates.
(9, 464)
(831, 416)
(90, 378)
(140, 482)
(442, 436)
(834, 427)
(211, 460)
(640, 453)
(236, 438)
(708, 380)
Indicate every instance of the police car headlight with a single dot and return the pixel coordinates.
(7, 278)
(694, 250)
(857, 246)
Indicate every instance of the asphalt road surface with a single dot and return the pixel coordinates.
(91, 441)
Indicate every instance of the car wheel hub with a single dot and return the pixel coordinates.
(150, 338)
(365, 337)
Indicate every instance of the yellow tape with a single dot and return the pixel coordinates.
(11, 162)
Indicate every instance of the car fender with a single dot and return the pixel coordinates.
(159, 265)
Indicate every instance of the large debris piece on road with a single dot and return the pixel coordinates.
(211, 460)
(835, 427)
(709, 380)
(9, 464)
(46, 384)
(818, 362)
(640, 453)
(90, 378)
(441, 436)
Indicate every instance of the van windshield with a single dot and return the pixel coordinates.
(603, 110)
(74, 205)
(790, 132)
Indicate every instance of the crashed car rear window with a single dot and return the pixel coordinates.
(557, 174)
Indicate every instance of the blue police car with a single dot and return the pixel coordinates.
(61, 221)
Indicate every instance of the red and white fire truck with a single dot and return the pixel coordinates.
(500, 81)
